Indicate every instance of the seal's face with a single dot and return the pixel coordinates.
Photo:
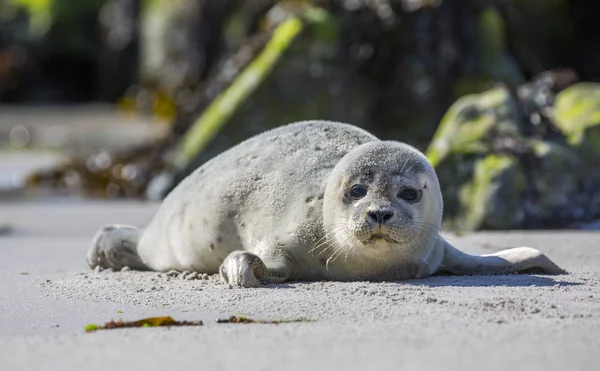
(382, 206)
(383, 197)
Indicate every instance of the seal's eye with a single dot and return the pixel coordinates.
(357, 192)
(410, 194)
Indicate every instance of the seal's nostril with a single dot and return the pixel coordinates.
(374, 217)
(380, 216)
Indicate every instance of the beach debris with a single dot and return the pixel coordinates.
(243, 319)
(146, 322)
(169, 321)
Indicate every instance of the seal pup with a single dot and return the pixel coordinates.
(312, 200)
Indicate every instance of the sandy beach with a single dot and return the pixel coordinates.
(48, 295)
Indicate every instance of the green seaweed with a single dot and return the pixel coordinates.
(146, 322)
(91, 327)
(223, 106)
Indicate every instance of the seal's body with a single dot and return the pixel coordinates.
(308, 201)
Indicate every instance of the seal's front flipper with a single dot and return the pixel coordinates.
(245, 269)
(515, 260)
(115, 246)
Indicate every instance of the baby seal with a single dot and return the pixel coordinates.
(313, 200)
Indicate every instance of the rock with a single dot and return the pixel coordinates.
(491, 198)
(500, 170)
(472, 120)
(577, 115)
(470, 173)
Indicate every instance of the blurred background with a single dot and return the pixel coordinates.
(120, 99)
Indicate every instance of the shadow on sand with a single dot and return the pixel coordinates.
(510, 280)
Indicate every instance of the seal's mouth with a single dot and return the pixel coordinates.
(377, 237)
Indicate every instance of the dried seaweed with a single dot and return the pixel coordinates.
(169, 322)
(146, 322)
(242, 319)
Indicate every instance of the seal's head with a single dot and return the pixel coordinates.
(382, 196)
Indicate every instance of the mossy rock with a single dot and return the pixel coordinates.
(491, 200)
(529, 183)
(577, 115)
(453, 172)
(474, 180)
(471, 121)
(554, 181)
(506, 191)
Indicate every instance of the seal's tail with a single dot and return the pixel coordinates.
(115, 246)
(515, 260)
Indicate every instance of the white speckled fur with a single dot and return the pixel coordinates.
(276, 208)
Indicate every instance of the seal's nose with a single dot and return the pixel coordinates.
(380, 216)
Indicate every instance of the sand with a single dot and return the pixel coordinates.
(47, 296)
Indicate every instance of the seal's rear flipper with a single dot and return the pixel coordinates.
(515, 260)
(115, 246)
